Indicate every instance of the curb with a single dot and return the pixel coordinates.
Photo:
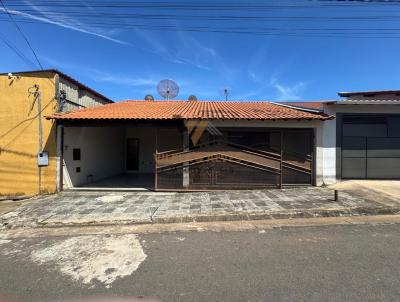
(278, 215)
(218, 217)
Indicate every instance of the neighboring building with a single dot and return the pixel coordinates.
(20, 96)
(192, 145)
(363, 142)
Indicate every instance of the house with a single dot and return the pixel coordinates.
(363, 141)
(191, 145)
(28, 159)
(205, 145)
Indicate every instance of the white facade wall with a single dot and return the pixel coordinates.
(164, 138)
(102, 154)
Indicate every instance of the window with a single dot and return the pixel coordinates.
(76, 154)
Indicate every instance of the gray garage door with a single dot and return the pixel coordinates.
(371, 146)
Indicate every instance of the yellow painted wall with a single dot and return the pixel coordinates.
(19, 134)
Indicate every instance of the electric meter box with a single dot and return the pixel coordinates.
(43, 159)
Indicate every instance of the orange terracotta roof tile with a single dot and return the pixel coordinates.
(168, 110)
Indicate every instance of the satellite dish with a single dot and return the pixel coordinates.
(148, 97)
(192, 98)
(226, 91)
(168, 89)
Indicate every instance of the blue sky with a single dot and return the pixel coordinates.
(124, 62)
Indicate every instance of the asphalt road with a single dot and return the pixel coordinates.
(322, 263)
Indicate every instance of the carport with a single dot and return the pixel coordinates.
(114, 155)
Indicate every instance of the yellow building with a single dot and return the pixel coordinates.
(24, 132)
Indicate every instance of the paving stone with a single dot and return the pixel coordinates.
(139, 207)
(130, 210)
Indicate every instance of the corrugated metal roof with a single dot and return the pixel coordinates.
(347, 94)
(368, 102)
(167, 110)
(67, 77)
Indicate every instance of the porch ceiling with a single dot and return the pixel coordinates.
(181, 110)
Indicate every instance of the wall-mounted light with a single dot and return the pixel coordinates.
(12, 77)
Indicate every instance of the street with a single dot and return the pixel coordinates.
(314, 263)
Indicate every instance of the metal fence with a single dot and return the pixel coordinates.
(239, 161)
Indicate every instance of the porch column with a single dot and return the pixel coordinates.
(185, 165)
(60, 157)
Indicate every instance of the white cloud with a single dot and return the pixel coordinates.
(124, 80)
(286, 92)
(255, 77)
(180, 49)
(65, 23)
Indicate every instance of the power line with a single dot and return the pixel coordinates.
(192, 17)
(23, 35)
(16, 51)
(292, 3)
(213, 11)
(293, 32)
(238, 29)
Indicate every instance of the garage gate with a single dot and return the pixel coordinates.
(370, 146)
(239, 159)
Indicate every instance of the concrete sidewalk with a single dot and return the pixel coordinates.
(98, 208)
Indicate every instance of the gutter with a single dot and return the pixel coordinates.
(298, 108)
(320, 112)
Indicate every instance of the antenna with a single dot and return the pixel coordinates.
(168, 89)
(226, 90)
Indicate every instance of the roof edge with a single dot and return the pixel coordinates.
(298, 108)
(347, 94)
(65, 76)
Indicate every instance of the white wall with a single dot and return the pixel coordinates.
(165, 138)
(102, 153)
(329, 134)
(147, 146)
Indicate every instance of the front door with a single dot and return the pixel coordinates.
(132, 154)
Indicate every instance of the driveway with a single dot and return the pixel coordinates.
(83, 208)
(383, 191)
(8, 205)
